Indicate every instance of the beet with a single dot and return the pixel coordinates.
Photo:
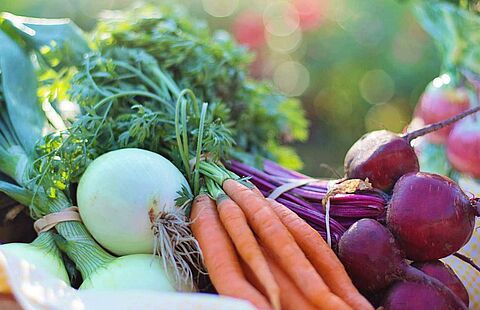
(373, 260)
(441, 101)
(463, 146)
(446, 275)
(370, 255)
(383, 156)
(430, 216)
(416, 296)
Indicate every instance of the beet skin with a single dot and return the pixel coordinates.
(374, 262)
(382, 157)
(370, 255)
(430, 216)
(446, 275)
(416, 296)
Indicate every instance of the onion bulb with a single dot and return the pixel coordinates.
(41, 253)
(139, 271)
(127, 200)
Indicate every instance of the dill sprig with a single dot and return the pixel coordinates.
(127, 100)
(215, 68)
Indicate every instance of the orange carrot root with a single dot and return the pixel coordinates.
(321, 256)
(236, 225)
(280, 243)
(219, 254)
(290, 296)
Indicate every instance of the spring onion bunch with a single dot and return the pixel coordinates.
(21, 123)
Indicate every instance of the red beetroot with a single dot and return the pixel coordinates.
(383, 157)
(430, 216)
(463, 146)
(410, 295)
(446, 275)
(373, 260)
(370, 255)
(439, 102)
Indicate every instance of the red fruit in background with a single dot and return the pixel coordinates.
(248, 29)
(439, 102)
(463, 146)
(446, 275)
(310, 12)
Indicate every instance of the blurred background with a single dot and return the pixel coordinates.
(355, 65)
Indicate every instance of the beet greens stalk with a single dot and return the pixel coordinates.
(306, 200)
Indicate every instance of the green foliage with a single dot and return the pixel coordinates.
(456, 31)
(214, 68)
(19, 86)
(433, 159)
(59, 41)
(126, 101)
(139, 88)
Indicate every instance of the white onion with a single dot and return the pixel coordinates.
(138, 271)
(117, 193)
(49, 261)
(127, 201)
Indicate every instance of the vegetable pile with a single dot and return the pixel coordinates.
(453, 151)
(148, 160)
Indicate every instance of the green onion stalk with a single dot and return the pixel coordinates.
(43, 251)
(21, 124)
(73, 237)
(19, 106)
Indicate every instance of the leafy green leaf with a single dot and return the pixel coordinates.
(59, 41)
(16, 192)
(455, 30)
(19, 91)
(432, 158)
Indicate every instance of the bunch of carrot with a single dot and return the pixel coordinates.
(256, 249)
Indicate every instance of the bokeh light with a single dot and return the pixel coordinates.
(291, 78)
(284, 44)
(248, 29)
(310, 12)
(281, 18)
(389, 116)
(376, 86)
(220, 8)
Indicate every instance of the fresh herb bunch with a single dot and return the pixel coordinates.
(128, 101)
(215, 68)
(128, 87)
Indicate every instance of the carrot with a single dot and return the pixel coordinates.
(279, 242)
(321, 256)
(219, 254)
(249, 250)
(290, 296)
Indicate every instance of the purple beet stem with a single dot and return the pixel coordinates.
(306, 200)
